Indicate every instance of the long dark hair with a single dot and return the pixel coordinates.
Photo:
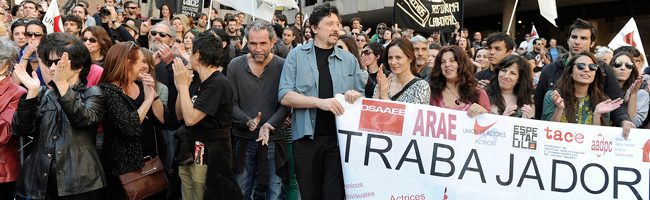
(633, 75)
(352, 47)
(566, 87)
(523, 89)
(466, 81)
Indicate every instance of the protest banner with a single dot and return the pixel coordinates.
(191, 8)
(428, 15)
(392, 150)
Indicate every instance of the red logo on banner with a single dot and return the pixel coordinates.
(629, 39)
(382, 117)
(478, 129)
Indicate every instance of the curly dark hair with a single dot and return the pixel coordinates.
(523, 89)
(566, 87)
(633, 75)
(466, 81)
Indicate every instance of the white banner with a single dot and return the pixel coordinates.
(398, 151)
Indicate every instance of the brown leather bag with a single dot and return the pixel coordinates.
(144, 182)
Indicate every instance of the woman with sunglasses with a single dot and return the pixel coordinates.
(35, 32)
(630, 81)
(63, 121)
(372, 58)
(511, 91)
(361, 39)
(130, 94)
(453, 84)
(579, 97)
(402, 85)
(96, 39)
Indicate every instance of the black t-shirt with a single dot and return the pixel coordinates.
(214, 97)
(325, 121)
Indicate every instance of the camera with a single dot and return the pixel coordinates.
(104, 11)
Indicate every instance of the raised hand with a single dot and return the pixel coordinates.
(608, 106)
(382, 82)
(510, 110)
(252, 124)
(30, 82)
(62, 69)
(557, 100)
(149, 86)
(182, 76)
(528, 112)
(145, 27)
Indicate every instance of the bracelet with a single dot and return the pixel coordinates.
(157, 97)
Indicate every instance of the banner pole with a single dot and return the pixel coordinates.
(209, 16)
(512, 16)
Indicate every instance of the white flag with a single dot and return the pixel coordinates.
(533, 33)
(548, 10)
(629, 36)
(52, 18)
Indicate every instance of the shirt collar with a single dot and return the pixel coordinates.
(310, 47)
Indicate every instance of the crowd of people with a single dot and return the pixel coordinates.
(247, 111)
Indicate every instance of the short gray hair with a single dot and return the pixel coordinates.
(259, 25)
(8, 54)
(420, 39)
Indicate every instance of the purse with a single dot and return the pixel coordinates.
(144, 182)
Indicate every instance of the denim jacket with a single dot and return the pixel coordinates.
(300, 75)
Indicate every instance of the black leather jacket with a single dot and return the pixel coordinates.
(64, 130)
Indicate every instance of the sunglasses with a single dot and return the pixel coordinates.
(154, 33)
(627, 65)
(339, 46)
(382, 28)
(366, 52)
(92, 40)
(32, 34)
(360, 40)
(50, 62)
(132, 44)
(582, 66)
(353, 33)
(132, 7)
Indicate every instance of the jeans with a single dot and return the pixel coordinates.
(246, 179)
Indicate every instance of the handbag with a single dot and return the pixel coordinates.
(144, 182)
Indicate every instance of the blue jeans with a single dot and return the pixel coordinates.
(246, 179)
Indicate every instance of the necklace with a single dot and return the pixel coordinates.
(457, 101)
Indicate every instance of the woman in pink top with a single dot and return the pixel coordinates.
(453, 84)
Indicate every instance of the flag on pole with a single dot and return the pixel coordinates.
(629, 36)
(52, 18)
(548, 10)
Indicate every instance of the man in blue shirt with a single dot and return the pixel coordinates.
(311, 75)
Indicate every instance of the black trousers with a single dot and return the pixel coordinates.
(318, 168)
(7, 190)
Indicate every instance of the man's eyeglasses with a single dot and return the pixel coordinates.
(92, 40)
(366, 52)
(627, 65)
(154, 33)
(32, 34)
(582, 66)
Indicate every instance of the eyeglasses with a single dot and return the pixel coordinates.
(154, 33)
(627, 65)
(360, 40)
(353, 33)
(132, 7)
(582, 66)
(339, 46)
(31, 34)
(92, 40)
(366, 52)
(50, 62)
(132, 44)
